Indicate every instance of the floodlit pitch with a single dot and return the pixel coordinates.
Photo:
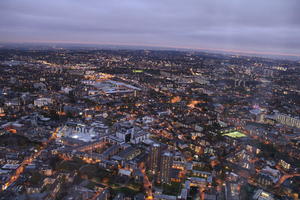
(235, 134)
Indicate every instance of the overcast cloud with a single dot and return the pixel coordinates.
(248, 25)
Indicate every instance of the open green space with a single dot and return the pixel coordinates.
(235, 134)
(172, 189)
(137, 71)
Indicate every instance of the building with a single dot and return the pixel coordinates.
(232, 191)
(285, 165)
(154, 158)
(165, 167)
(43, 102)
(83, 132)
(262, 195)
(287, 120)
(133, 135)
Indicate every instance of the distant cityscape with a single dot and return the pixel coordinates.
(147, 124)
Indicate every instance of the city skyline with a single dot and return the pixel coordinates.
(149, 100)
(86, 123)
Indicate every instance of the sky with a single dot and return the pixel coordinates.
(271, 26)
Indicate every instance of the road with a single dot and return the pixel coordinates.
(147, 183)
(284, 177)
(28, 161)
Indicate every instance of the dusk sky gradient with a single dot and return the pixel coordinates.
(243, 25)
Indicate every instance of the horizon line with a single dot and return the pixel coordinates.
(234, 51)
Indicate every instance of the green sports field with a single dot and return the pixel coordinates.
(235, 134)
